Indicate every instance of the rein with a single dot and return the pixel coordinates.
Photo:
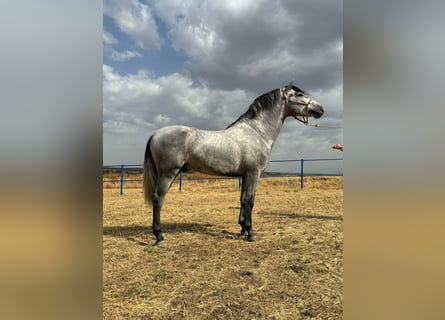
(305, 118)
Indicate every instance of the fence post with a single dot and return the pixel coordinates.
(122, 179)
(180, 181)
(301, 175)
(240, 180)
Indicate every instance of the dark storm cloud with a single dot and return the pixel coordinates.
(282, 35)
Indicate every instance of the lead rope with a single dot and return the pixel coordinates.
(316, 125)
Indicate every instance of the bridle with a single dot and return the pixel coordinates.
(305, 117)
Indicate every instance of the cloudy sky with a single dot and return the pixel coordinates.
(202, 63)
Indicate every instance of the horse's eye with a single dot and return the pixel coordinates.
(299, 94)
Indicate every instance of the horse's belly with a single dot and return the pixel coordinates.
(213, 168)
(216, 158)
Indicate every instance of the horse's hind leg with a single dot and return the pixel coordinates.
(162, 188)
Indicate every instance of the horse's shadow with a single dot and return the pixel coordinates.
(135, 232)
(300, 215)
(138, 233)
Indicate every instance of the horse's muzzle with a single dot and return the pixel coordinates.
(317, 111)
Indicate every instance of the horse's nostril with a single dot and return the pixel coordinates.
(318, 112)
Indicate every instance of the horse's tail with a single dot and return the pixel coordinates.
(150, 174)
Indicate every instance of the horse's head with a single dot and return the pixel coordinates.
(299, 104)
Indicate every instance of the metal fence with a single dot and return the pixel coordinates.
(122, 168)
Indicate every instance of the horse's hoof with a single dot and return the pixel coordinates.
(251, 238)
(161, 244)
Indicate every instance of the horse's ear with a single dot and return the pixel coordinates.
(289, 86)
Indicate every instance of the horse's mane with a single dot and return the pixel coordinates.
(261, 104)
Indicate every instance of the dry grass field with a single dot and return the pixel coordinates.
(207, 271)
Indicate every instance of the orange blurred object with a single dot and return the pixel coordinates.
(338, 146)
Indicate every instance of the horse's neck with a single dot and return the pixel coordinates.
(270, 126)
(267, 123)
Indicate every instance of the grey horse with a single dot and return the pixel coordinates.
(242, 149)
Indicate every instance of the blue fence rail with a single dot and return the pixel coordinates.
(301, 174)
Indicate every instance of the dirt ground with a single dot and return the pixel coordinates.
(207, 271)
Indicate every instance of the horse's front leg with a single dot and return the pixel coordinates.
(248, 189)
(241, 221)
